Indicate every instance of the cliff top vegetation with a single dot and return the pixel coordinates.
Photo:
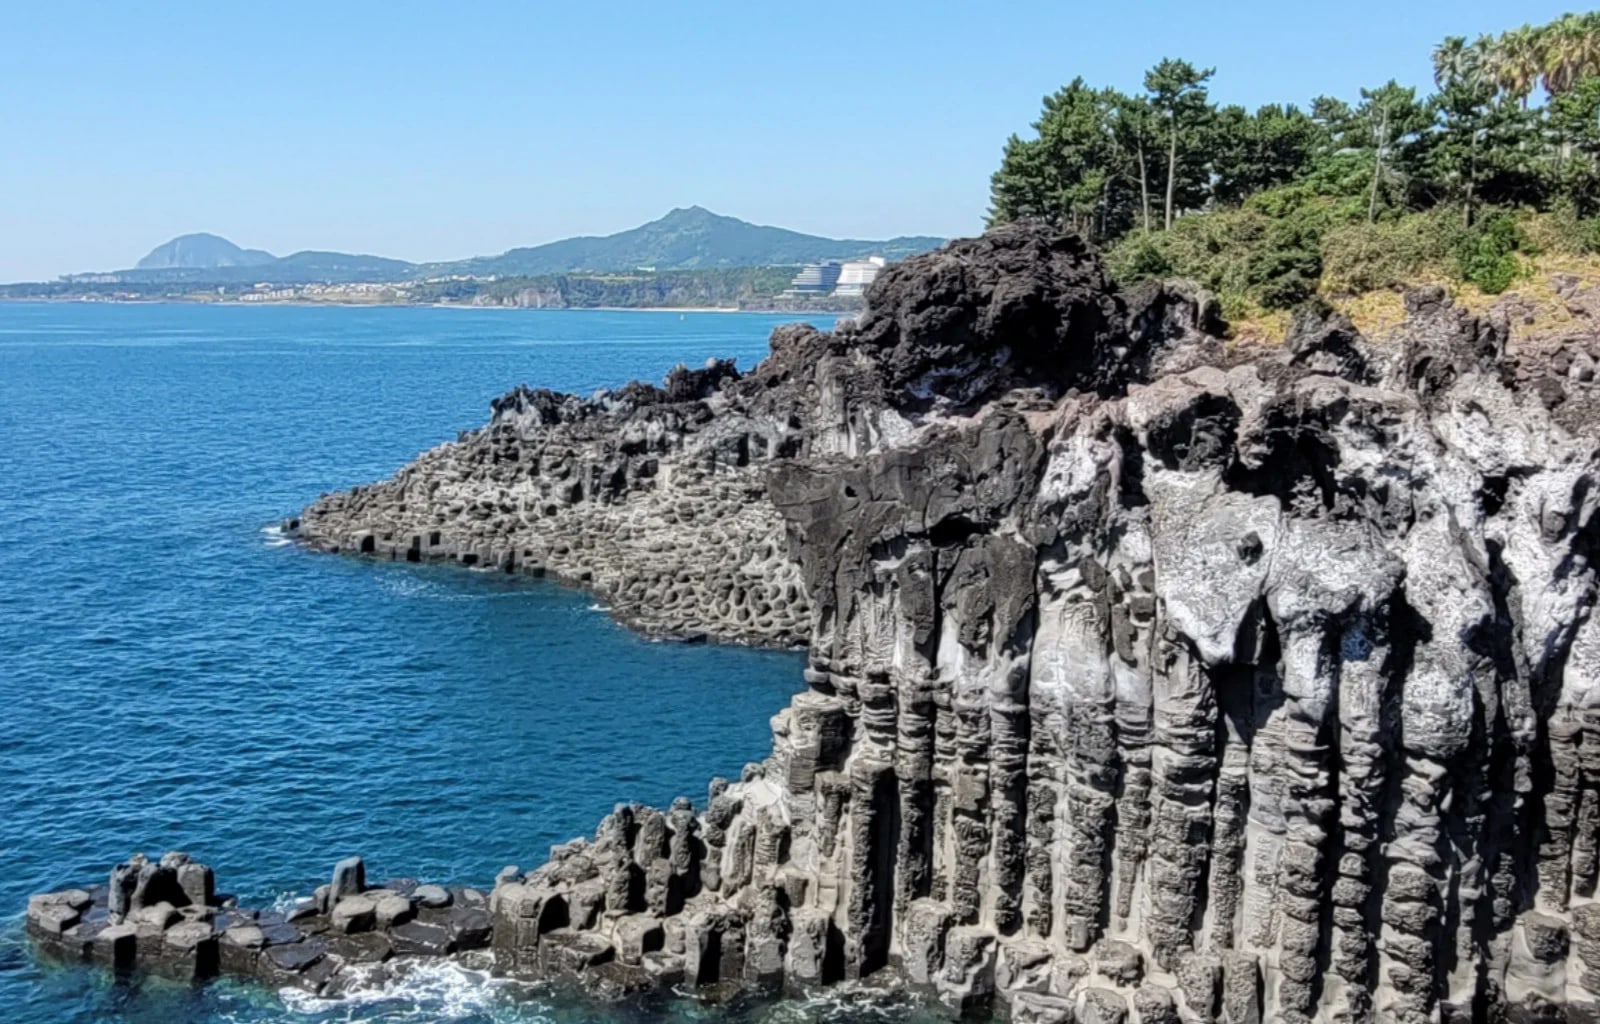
(1490, 182)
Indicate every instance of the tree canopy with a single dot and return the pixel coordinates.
(1512, 123)
(1102, 158)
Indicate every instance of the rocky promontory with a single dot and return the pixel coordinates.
(1150, 678)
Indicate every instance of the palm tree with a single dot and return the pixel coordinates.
(1571, 52)
(1561, 53)
(1517, 61)
(1456, 62)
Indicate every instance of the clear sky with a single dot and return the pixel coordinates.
(444, 130)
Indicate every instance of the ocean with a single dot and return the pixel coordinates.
(175, 675)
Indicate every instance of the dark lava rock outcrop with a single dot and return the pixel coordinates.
(1150, 680)
(165, 916)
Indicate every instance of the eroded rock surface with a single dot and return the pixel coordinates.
(1149, 680)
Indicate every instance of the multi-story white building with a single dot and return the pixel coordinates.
(816, 278)
(857, 274)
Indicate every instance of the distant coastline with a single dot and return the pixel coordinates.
(767, 310)
(764, 289)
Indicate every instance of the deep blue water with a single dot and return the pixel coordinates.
(174, 677)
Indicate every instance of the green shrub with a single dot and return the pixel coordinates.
(1487, 257)
(1364, 257)
(1263, 253)
(1286, 270)
(1286, 245)
(1562, 230)
(1138, 257)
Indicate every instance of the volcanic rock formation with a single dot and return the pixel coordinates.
(166, 916)
(1150, 680)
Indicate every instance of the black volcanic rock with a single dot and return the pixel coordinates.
(1020, 306)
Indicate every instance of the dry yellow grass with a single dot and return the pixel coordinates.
(1377, 313)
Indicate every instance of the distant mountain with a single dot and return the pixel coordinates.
(691, 239)
(208, 259)
(202, 252)
(321, 264)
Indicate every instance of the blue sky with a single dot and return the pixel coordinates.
(437, 131)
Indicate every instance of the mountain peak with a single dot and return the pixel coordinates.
(203, 250)
(690, 215)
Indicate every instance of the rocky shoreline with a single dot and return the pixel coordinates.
(165, 916)
(1150, 678)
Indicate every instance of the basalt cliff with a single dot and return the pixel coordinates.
(1150, 679)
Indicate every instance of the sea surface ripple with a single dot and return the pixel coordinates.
(173, 675)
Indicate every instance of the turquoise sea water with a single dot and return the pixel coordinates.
(175, 676)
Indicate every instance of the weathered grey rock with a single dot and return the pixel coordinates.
(52, 919)
(124, 879)
(1102, 1006)
(638, 935)
(664, 969)
(349, 879)
(197, 882)
(366, 948)
(392, 910)
(1041, 1008)
(159, 916)
(806, 958)
(296, 957)
(354, 914)
(57, 913)
(416, 938)
(190, 950)
(245, 936)
(966, 981)
(117, 945)
(470, 927)
(431, 896)
(1153, 1004)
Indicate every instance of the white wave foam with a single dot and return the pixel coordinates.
(598, 608)
(427, 991)
(408, 585)
(274, 538)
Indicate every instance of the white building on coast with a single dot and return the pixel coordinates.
(857, 274)
(833, 277)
